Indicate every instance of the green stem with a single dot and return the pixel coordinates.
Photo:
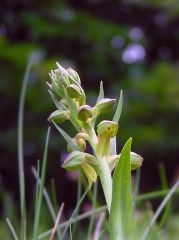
(106, 180)
(103, 167)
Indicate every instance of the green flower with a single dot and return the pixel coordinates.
(104, 105)
(84, 161)
(59, 116)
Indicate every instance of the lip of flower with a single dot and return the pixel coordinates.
(108, 128)
(84, 113)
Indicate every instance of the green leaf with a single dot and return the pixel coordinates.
(121, 206)
(68, 139)
(119, 108)
(58, 104)
(101, 92)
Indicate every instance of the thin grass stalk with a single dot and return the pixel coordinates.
(153, 195)
(73, 220)
(44, 165)
(142, 197)
(71, 235)
(12, 230)
(74, 212)
(159, 210)
(53, 195)
(93, 207)
(20, 148)
(164, 185)
(97, 232)
(79, 189)
(57, 222)
(47, 199)
(37, 185)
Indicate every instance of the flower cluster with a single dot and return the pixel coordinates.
(70, 100)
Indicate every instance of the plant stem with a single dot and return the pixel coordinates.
(106, 180)
(103, 167)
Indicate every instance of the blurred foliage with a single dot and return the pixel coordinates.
(93, 37)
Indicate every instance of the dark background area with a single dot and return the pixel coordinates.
(129, 45)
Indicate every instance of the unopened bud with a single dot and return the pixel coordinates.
(136, 161)
(107, 127)
(73, 75)
(59, 116)
(74, 91)
(84, 113)
(104, 105)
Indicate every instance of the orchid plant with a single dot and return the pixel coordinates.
(114, 169)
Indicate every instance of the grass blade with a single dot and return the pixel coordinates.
(121, 207)
(79, 190)
(73, 220)
(53, 195)
(37, 185)
(68, 139)
(46, 197)
(12, 230)
(93, 206)
(20, 149)
(56, 102)
(153, 195)
(164, 185)
(41, 187)
(74, 212)
(159, 210)
(101, 92)
(97, 232)
(57, 222)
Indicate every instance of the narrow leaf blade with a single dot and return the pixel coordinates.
(68, 139)
(58, 105)
(101, 92)
(119, 108)
(121, 207)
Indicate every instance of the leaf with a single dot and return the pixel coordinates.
(121, 206)
(58, 104)
(119, 108)
(68, 139)
(101, 92)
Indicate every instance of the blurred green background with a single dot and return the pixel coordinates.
(129, 45)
